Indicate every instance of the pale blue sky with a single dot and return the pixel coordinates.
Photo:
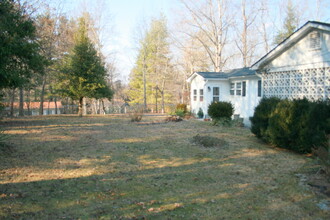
(125, 16)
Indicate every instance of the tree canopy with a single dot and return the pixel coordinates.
(19, 49)
(290, 24)
(152, 67)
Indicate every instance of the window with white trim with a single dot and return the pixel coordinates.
(201, 95)
(195, 94)
(216, 94)
(239, 88)
(232, 88)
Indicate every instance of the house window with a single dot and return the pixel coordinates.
(239, 88)
(232, 88)
(244, 88)
(201, 95)
(259, 88)
(216, 94)
(315, 40)
(195, 94)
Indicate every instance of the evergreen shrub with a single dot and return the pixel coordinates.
(298, 125)
(200, 113)
(261, 117)
(220, 110)
(181, 110)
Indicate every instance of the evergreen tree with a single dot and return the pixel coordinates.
(290, 24)
(19, 50)
(83, 73)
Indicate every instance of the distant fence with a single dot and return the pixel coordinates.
(109, 109)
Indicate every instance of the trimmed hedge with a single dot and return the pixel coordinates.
(298, 125)
(219, 110)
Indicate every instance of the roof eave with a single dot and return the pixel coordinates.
(288, 42)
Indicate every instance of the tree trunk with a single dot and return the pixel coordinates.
(41, 108)
(55, 102)
(12, 100)
(84, 107)
(21, 102)
(72, 107)
(48, 110)
(80, 107)
(103, 106)
(163, 102)
(28, 102)
(98, 107)
(144, 86)
(157, 99)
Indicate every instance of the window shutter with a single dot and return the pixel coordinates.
(315, 40)
(244, 88)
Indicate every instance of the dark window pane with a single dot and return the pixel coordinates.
(215, 90)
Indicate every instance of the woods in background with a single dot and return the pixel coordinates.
(41, 66)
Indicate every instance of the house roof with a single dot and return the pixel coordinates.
(289, 41)
(241, 72)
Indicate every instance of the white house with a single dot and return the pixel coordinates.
(241, 87)
(296, 68)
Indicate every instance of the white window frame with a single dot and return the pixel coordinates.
(216, 97)
(201, 95)
(232, 88)
(195, 95)
(238, 87)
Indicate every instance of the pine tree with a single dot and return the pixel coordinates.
(83, 73)
(290, 24)
(19, 50)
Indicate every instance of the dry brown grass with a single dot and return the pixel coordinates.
(108, 167)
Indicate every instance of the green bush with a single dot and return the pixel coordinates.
(261, 117)
(200, 113)
(220, 110)
(180, 112)
(298, 125)
(288, 124)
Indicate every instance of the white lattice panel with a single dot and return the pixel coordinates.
(314, 84)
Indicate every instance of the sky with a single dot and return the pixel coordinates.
(122, 18)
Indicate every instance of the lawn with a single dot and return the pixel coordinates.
(66, 167)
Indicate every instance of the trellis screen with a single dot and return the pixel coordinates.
(314, 84)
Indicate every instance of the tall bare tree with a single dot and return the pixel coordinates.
(210, 17)
(246, 41)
